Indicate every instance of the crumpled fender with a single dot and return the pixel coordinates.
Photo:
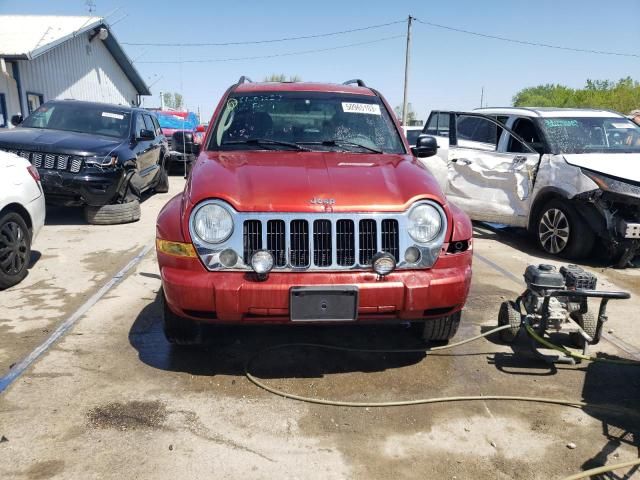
(462, 227)
(168, 224)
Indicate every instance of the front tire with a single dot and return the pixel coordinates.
(162, 186)
(113, 214)
(561, 231)
(179, 330)
(439, 329)
(15, 249)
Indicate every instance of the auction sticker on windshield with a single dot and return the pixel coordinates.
(117, 116)
(368, 108)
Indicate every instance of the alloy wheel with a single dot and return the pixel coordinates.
(554, 230)
(13, 248)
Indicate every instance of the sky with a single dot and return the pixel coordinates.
(448, 70)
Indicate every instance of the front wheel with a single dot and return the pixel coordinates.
(440, 329)
(162, 184)
(179, 330)
(15, 249)
(561, 231)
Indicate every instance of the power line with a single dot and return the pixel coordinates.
(301, 52)
(255, 42)
(524, 42)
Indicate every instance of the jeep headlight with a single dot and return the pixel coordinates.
(213, 223)
(101, 161)
(425, 223)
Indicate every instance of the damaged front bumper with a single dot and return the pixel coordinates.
(92, 186)
(615, 217)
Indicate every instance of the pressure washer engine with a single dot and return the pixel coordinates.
(557, 300)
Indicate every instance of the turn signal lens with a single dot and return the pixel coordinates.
(177, 249)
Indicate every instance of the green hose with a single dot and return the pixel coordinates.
(605, 469)
(400, 403)
(575, 355)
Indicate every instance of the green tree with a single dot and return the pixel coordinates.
(281, 77)
(173, 100)
(622, 96)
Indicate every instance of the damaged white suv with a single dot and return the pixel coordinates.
(572, 177)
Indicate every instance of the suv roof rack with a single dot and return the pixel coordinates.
(357, 81)
(244, 79)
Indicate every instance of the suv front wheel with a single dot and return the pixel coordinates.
(561, 231)
(440, 329)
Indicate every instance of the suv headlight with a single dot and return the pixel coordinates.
(100, 160)
(425, 223)
(213, 223)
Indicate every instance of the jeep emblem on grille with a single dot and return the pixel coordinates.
(323, 201)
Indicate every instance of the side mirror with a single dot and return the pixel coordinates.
(146, 134)
(195, 149)
(16, 120)
(200, 128)
(426, 146)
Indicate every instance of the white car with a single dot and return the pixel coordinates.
(571, 176)
(22, 212)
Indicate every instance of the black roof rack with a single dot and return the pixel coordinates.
(357, 81)
(244, 79)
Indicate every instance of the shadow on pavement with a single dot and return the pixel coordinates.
(227, 349)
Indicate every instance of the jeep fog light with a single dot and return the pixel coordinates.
(262, 262)
(228, 257)
(383, 263)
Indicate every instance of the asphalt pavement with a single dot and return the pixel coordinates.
(111, 399)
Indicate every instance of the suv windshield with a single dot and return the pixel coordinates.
(81, 118)
(592, 135)
(306, 120)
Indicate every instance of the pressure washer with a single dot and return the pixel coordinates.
(557, 301)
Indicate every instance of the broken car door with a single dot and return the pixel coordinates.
(485, 179)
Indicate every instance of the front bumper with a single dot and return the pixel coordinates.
(238, 297)
(92, 186)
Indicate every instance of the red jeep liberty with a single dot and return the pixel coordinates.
(307, 205)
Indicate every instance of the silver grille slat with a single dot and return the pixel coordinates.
(51, 161)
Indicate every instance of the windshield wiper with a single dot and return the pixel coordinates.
(342, 143)
(266, 141)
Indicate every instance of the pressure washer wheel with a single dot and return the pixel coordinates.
(588, 322)
(509, 315)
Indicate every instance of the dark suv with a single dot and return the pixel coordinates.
(98, 155)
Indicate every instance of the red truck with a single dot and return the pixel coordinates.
(307, 205)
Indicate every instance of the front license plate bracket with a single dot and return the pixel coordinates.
(335, 303)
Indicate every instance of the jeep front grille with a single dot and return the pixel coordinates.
(319, 241)
(51, 161)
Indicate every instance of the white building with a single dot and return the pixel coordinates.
(60, 57)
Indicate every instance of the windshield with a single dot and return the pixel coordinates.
(313, 120)
(96, 120)
(592, 135)
(177, 120)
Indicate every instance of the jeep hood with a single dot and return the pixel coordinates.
(289, 181)
(58, 141)
(625, 166)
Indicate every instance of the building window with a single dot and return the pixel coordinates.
(4, 120)
(34, 100)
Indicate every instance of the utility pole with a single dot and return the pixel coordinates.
(406, 71)
(161, 101)
(481, 97)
